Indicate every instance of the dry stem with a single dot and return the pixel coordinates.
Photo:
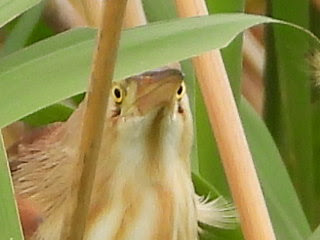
(97, 101)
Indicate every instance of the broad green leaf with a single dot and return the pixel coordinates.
(286, 213)
(10, 9)
(61, 64)
(10, 226)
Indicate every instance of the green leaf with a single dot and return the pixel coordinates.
(10, 225)
(294, 100)
(315, 235)
(287, 216)
(51, 114)
(10, 9)
(20, 34)
(58, 68)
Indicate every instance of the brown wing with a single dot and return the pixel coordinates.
(41, 165)
(29, 145)
(30, 216)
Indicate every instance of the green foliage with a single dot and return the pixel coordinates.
(54, 113)
(289, 109)
(23, 29)
(9, 227)
(39, 76)
(10, 9)
(287, 216)
(61, 64)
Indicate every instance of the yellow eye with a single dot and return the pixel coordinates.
(181, 91)
(117, 94)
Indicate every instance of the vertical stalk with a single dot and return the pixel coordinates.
(94, 115)
(232, 143)
(232, 57)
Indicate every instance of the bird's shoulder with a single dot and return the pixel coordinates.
(35, 142)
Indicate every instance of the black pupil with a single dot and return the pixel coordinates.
(180, 90)
(117, 93)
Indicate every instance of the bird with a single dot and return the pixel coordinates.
(30, 216)
(143, 187)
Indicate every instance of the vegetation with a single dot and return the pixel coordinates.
(39, 68)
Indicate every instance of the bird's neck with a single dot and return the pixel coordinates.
(152, 150)
(145, 191)
(142, 174)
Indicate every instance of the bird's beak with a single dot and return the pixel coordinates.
(156, 89)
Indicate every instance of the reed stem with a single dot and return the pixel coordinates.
(229, 133)
(94, 114)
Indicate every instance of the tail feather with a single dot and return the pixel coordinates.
(216, 213)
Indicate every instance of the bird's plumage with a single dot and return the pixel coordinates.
(143, 188)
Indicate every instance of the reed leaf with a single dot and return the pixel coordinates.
(10, 9)
(10, 226)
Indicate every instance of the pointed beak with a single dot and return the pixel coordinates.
(157, 89)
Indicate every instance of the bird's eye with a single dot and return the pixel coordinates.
(117, 94)
(181, 91)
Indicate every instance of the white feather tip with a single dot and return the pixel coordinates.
(216, 213)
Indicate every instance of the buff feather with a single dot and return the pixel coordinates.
(216, 213)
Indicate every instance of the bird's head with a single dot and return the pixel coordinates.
(151, 111)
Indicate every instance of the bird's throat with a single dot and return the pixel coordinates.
(139, 184)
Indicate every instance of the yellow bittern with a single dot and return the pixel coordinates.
(143, 188)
